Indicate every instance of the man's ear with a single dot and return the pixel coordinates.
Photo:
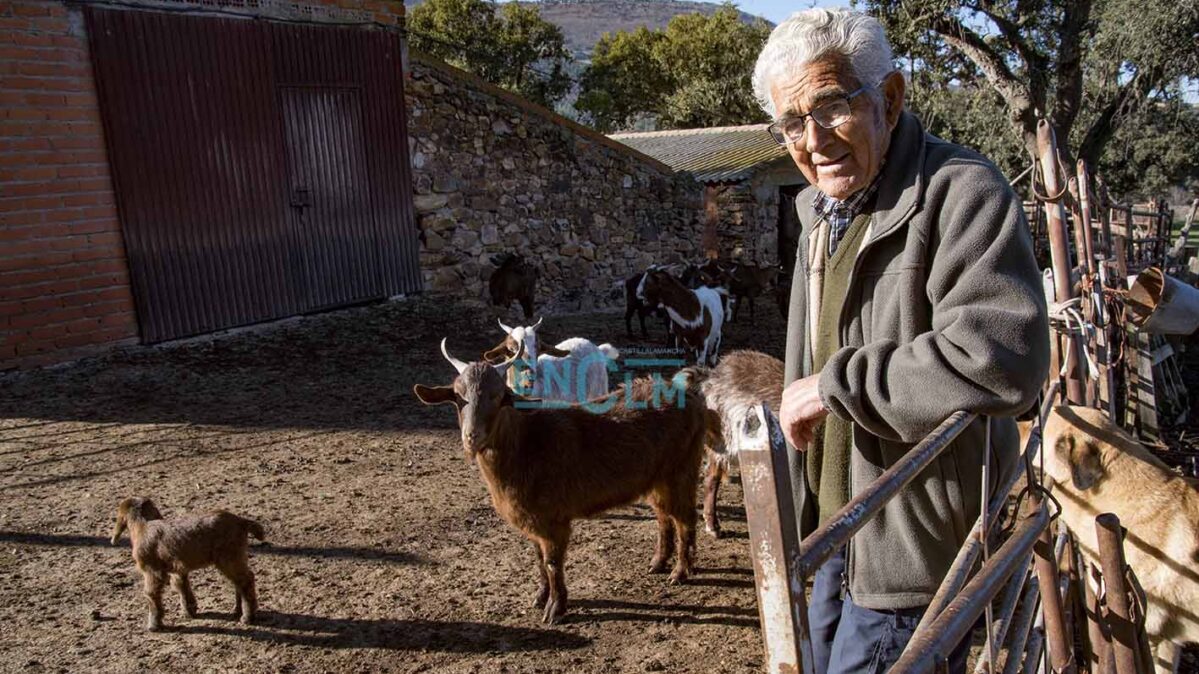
(893, 88)
(435, 395)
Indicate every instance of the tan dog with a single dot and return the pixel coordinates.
(1096, 467)
(181, 545)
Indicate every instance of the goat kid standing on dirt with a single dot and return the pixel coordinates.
(1096, 468)
(545, 468)
(697, 315)
(742, 381)
(178, 546)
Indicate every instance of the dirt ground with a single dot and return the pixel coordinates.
(384, 554)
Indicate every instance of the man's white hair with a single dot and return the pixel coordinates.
(816, 33)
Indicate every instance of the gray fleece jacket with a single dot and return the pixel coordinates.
(944, 311)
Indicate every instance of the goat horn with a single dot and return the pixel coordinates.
(458, 365)
(538, 323)
(502, 368)
(506, 329)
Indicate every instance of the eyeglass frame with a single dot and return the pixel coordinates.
(774, 126)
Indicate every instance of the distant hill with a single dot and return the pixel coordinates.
(583, 22)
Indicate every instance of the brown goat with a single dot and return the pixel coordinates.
(178, 546)
(746, 281)
(742, 380)
(514, 279)
(545, 468)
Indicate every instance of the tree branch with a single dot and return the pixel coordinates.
(1127, 99)
(1033, 59)
(1068, 99)
(1016, 93)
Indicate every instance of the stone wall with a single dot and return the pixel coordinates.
(744, 229)
(494, 173)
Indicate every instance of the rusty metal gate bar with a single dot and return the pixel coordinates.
(930, 648)
(773, 540)
(781, 566)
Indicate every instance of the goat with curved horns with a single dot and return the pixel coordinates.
(545, 468)
(575, 370)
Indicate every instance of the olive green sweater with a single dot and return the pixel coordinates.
(828, 463)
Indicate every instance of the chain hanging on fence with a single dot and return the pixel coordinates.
(1041, 196)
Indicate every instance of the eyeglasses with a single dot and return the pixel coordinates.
(829, 116)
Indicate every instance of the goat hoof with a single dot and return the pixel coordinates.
(714, 531)
(247, 619)
(153, 626)
(657, 566)
(553, 613)
(542, 596)
(679, 576)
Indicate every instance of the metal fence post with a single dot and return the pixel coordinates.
(1059, 249)
(773, 540)
(1057, 630)
(1111, 553)
(1102, 658)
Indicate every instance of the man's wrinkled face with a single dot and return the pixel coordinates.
(840, 161)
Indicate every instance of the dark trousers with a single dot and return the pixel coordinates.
(847, 638)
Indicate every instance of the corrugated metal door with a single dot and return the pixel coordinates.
(326, 159)
(213, 125)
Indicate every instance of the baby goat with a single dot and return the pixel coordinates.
(545, 468)
(178, 546)
(742, 380)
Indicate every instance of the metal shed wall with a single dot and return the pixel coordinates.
(261, 168)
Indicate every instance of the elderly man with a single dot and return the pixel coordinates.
(915, 295)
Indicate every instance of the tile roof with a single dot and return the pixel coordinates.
(712, 155)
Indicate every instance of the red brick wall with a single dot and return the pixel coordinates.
(64, 284)
(64, 280)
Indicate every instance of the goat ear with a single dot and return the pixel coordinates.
(554, 351)
(1085, 467)
(435, 395)
(118, 528)
(496, 355)
(149, 511)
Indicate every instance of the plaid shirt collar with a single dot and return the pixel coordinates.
(839, 214)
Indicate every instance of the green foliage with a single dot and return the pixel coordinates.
(624, 80)
(514, 47)
(1154, 151)
(972, 116)
(695, 72)
(1091, 67)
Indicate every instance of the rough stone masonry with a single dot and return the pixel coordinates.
(493, 173)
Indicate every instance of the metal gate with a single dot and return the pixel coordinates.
(261, 169)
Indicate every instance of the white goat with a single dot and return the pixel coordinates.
(574, 370)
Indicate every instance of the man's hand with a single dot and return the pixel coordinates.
(801, 411)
